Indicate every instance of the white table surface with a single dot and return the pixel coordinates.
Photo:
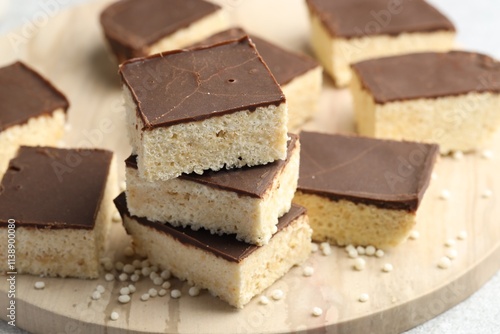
(478, 25)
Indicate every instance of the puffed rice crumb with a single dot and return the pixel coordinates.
(194, 291)
(39, 285)
(364, 297)
(444, 262)
(317, 311)
(114, 316)
(277, 294)
(175, 293)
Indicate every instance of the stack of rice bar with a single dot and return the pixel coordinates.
(213, 171)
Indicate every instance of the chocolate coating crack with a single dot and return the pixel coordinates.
(192, 85)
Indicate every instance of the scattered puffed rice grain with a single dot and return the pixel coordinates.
(153, 292)
(145, 297)
(194, 291)
(100, 288)
(165, 274)
(451, 253)
(123, 277)
(109, 277)
(129, 251)
(137, 264)
(154, 269)
(379, 253)
(359, 264)
(134, 278)
(444, 262)
(445, 194)
(116, 217)
(450, 243)
(39, 285)
(162, 292)
(325, 248)
(263, 300)
(166, 285)
(132, 288)
(363, 297)
(128, 268)
(96, 295)
(124, 299)
(158, 281)
(308, 271)
(414, 235)
(353, 253)
(125, 291)
(108, 266)
(114, 316)
(387, 268)
(153, 275)
(316, 311)
(175, 293)
(314, 247)
(462, 235)
(361, 250)
(146, 263)
(458, 155)
(119, 266)
(277, 294)
(487, 154)
(487, 193)
(146, 271)
(370, 250)
(349, 248)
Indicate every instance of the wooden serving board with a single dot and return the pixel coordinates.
(69, 49)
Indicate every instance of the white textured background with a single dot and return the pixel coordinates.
(478, 24)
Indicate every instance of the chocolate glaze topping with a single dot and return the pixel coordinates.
(132, 26)
(385, 173)
(357, 18)
(54, 188)
(25, 94)
(192, 85)
(225, 246)
(284, 65)
(428, 75)
(247, 181)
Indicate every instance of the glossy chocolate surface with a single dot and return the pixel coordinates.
(284, 65)
(132, 26)
(54, 188)
(225, 246)
(358, 18)
(247, 181)
(428, 75)
(385, 173)
(25, 94)
(192, 85)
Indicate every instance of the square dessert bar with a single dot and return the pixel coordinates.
(60, 201)
(230, 269)
(299, 75)
(207, 108)
(243, 201)
(138, 28)
(362, 191)
(32, 111)
(447, 98)
(348, 31)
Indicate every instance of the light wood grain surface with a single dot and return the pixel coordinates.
(69, 50)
